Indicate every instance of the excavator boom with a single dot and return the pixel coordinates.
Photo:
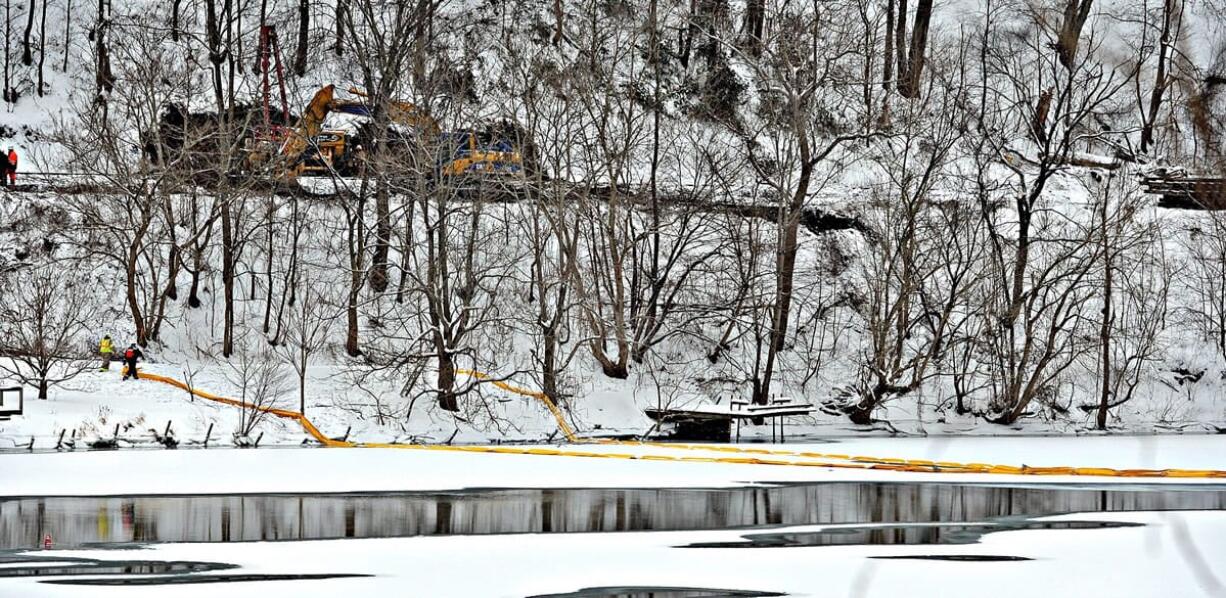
(310, 124)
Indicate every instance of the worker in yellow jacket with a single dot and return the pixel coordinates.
(106, 349)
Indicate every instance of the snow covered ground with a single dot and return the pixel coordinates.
(92, 405)
(1172, 554)
(373, 470)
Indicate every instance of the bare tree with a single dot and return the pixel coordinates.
(383, 43)
(1206, 273)
(793, 136)
(618, 135)
(1041, 273)
(918, 270)
(755, 19)
(44, 315)
(1172, 22)
(549, 223)
(260, 381)
(67, 35)
(1135, 290)
(132, 219)
(305, 335)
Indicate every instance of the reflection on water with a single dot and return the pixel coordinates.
(902, 533)
(36, 567)
(77, 521)
(660, 592)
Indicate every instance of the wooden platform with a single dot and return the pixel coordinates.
(1188, 193)
(714, 422)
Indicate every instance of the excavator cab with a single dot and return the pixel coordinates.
(329, 151)
(479, 153)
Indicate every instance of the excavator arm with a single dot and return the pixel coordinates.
(404, 113)
(310, 124)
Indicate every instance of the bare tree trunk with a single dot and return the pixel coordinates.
(357, 250)
(383, 238)
(213, 40)
(175, 5)
(235, 24)
(421, 39)
(103, 77)
(67, 36)
(653, 305)
(304, 26)
(786, 263)
(270, 250)
(42, 49)
(910, 86)
(8, 36)
(227, 278)
(755, 17)
(138, 319)
(900, 45)
(559, 22)
(257, 64)
(787, 259)
(867, 73)
(1075, 14)
(228, 237)
(888, 68)
(170, 293)
(1160, 79)
(27, 53)
(447, 399)
(1104, 333)
(341, 7)
(193, 295)
(691, 29)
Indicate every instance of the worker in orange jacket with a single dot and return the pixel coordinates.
(12, 166)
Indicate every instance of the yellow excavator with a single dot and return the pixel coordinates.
(311, 149)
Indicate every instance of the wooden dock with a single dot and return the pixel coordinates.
(715, 422)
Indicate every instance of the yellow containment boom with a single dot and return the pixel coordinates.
(738, 454)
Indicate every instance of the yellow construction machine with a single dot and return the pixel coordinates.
(310, 149)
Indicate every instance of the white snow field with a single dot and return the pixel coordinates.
(288, 470)
(1172, 554)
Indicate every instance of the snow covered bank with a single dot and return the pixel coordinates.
(376, 470)
(89, 407)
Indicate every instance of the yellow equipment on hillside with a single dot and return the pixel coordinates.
(312, 149)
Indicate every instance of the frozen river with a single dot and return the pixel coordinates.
(437, 523)
(132, 544)
(924, 513)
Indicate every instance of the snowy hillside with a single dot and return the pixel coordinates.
(933, 228)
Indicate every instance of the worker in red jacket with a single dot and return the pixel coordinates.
(12, 166)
